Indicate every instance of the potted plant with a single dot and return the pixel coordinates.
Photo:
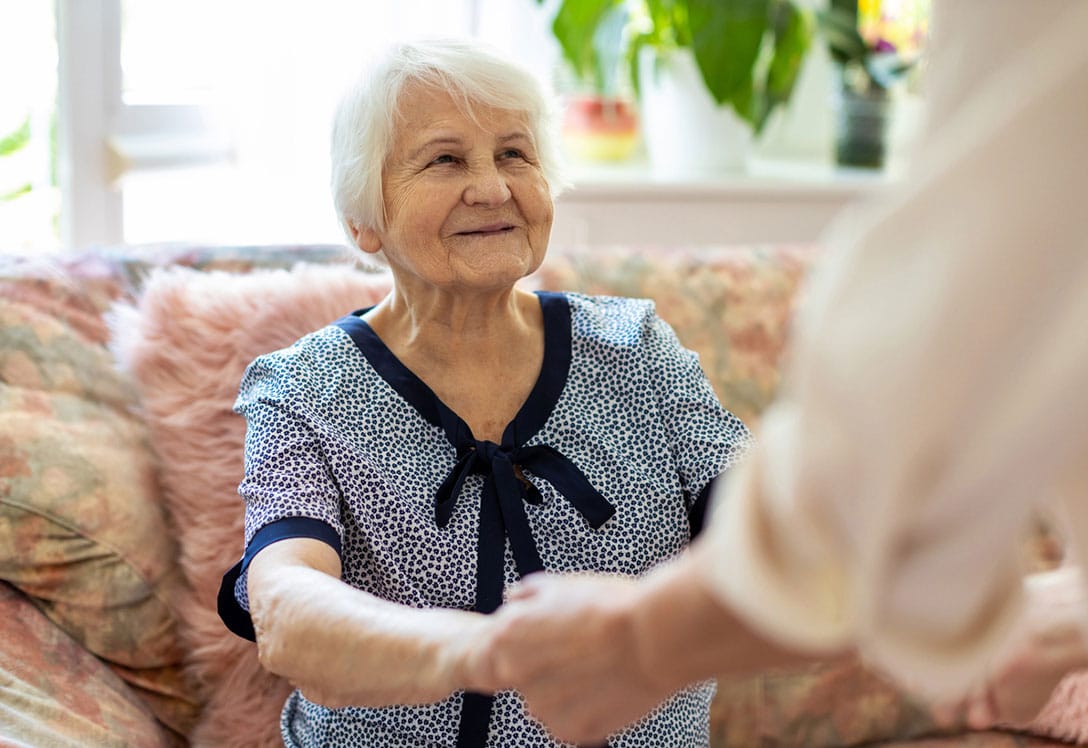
(600, 122)
(872, 55)
(701, 68)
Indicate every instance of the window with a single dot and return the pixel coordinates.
(215, 113)
(29, 196)
(207, 121)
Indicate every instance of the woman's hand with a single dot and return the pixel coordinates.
(343, 647)
(592, 653)
(1015, 693)
(568, 644)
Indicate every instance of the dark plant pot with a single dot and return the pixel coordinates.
(861, 131)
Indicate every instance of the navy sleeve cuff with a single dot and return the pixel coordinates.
(236, 617)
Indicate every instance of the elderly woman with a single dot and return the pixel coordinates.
(407, 463)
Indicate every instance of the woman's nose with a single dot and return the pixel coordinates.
(487, 186)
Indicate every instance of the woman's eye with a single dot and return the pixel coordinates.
(445, 158)
(512, 153)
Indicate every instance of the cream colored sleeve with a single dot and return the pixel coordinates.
(937, 385)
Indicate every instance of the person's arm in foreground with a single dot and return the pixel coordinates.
(933, 405)
(591, 653)
(932, 402)
(342, 646)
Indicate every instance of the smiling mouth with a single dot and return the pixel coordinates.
(488, 230)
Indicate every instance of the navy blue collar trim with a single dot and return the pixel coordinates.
(504, 495)
(534, 412)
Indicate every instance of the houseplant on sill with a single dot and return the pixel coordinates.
(870, 64)
(600, 122)
(708, 73)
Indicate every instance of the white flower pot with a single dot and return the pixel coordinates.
(686, 133)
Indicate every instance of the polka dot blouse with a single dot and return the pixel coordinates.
(618, 443)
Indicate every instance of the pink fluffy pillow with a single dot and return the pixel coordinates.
(186, 345)
(1066, 714)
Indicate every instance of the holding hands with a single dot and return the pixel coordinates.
(570, 646)
(591, 653)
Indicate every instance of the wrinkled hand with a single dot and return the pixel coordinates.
(569, 645)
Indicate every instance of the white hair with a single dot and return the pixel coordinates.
(472, 73)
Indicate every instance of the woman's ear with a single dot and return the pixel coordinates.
(366, 238)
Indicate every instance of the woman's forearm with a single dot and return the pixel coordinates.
(592, 653)
(342, 646)
(684, 633)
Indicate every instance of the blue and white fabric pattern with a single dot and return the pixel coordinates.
(618, 444)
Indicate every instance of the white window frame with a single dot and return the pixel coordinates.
(88, 94)
(100, 137)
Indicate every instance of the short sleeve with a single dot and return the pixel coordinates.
(705, 438)
(287, 486)
(286, 473)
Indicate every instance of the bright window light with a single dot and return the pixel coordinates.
(29, 197)
(269, 73)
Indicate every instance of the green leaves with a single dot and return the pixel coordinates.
(17, 192)
(749, 52)
(17, 139)
(793, 30)
(669, 23)
(838, 25)
(577, 26)
(11, 143)
(726, 38)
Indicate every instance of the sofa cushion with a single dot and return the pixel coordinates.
(53, 692)
(732, 305)
(187, 344)
(77, 509)
(79, 501)
(42, 351)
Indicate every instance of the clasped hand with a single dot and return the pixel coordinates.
(568, 645)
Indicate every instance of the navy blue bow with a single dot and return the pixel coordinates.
(502, 515)
(503, 504)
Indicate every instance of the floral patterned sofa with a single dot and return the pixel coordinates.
(118, 456)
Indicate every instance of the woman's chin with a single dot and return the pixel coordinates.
(495, 267)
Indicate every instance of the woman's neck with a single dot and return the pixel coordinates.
(457, 326)
(480, 353)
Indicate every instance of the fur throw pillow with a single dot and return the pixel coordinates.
(186, 344)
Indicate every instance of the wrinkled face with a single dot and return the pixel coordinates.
(466, 202)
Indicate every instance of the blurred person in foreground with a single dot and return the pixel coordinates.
(407, 463)
(935, 401)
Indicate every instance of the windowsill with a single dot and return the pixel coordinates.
(764, 178)
(773, 202)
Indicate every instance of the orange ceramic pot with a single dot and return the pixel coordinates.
(597, 128)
